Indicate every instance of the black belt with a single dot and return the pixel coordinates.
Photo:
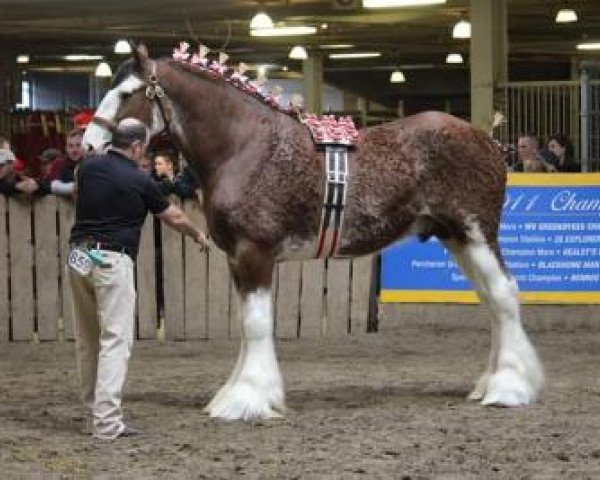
(108, 246)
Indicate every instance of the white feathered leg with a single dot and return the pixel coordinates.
(238, 364)
(256, 392)
(514, 375)
(465, 263)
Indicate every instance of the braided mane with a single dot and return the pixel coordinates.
(215, 70)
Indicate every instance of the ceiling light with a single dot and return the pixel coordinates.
(103, 70)
(399, 3)
(566, 15)
(283, 31)
(298, 53)
(336, 46)
(454, 58)
(336, 56)
(397, 77)
(122, 47)
(261, 20)
(82, 57)
(324, 26)
(462, 29)
(588, 46)
(22, 58)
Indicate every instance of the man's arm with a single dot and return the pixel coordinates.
(176, 219)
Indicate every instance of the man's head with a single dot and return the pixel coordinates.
(527, 147)
(163, 164)
(73, 146)
(131, 136)
(7, 159)
(4, 144)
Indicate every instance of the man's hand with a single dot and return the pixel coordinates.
(175, 218)
(27, 186)
(201, 239)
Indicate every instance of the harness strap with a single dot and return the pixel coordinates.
(332, 216)
(155, 92)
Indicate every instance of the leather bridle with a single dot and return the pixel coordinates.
(154, 92)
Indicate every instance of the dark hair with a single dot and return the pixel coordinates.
(76, 132)
(129, 131)
(170, 155)
(564, 142)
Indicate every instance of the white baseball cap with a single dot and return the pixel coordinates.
(6, 156)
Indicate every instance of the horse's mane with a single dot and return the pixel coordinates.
(227, 80)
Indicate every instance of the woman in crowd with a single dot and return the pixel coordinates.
(562, 147)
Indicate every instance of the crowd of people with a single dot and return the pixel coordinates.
(529, 156)
(52, 172)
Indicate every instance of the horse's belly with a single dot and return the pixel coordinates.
(294, 248)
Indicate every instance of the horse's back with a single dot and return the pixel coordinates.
(430, 165)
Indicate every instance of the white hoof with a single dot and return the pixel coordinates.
(244, 401)
(217, 398)
(480, 388)
(508, 389)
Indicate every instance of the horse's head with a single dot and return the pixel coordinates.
(134, 93)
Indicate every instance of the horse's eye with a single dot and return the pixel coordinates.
(125, 95)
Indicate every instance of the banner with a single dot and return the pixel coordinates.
(549, 238)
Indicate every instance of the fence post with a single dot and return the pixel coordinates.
(4, 305)
(585, 124)
(46, 267)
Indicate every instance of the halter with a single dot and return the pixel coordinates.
(154, 92)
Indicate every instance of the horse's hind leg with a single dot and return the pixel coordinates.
(514, 374)
(255, 388)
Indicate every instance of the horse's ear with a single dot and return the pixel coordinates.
(140, 55)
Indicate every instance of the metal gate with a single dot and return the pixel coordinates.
(569, 107)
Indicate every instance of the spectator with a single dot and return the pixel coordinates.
(50, 163)
(20, 167)
(146, 164)
(170, 183)
(530, 158)
(9, 183)
(64, 184)
(561, 146)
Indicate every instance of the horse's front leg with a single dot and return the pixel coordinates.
(255, 388)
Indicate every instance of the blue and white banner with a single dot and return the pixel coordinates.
(549, 237)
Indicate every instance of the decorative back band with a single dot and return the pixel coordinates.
(332, 217)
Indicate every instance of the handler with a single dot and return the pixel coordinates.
(113, 197)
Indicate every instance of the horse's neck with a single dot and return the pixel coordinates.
(218, 124)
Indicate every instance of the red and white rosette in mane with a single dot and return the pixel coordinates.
(330, 130)
(181, 53)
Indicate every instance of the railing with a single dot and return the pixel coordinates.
(546, 108)
(312, 299)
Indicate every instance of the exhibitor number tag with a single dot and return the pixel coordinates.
(80, 262)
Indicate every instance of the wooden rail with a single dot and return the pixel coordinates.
(312, 299)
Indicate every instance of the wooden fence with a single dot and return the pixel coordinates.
(312, 299)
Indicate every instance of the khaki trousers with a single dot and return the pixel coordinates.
(104, 304)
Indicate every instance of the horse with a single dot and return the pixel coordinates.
(262, 179)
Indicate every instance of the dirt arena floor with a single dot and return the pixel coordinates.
(384, 406)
